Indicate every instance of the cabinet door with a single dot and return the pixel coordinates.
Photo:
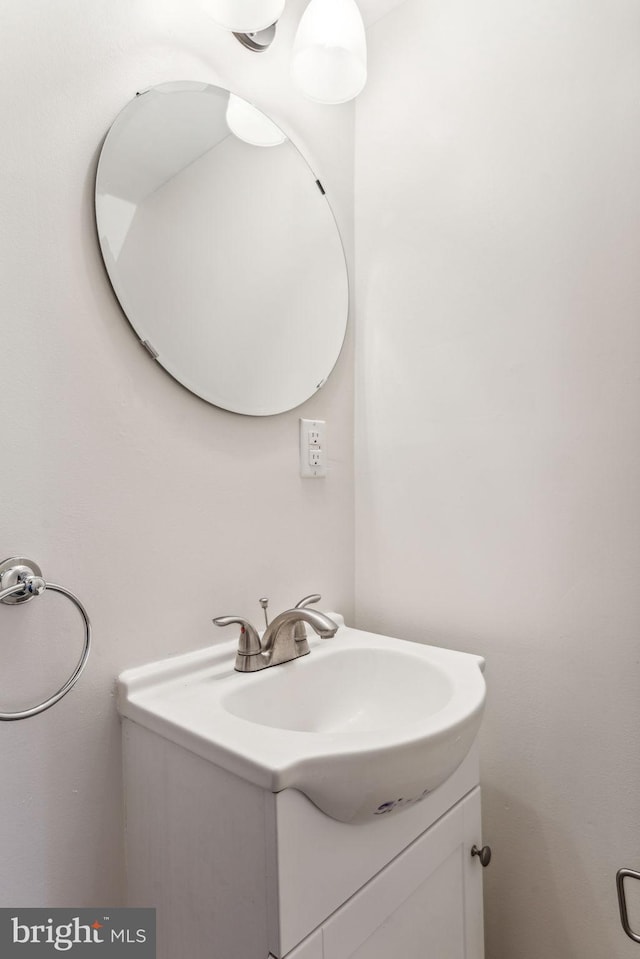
(311, 948)
(427, 903)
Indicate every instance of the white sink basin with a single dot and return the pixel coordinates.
(345, 691)
(364, 725)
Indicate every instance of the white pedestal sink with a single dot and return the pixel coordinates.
(364, 726)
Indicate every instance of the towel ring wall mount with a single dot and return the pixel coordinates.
(21, 580)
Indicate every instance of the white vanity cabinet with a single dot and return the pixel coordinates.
(238, 872)
(311, 948)
(427, 904)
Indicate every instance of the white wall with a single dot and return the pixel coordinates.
(158, 510)
(498, 421)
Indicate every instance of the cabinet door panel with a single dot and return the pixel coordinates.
(427, 925)
(417, 908)
(473, 906)
(311, 948)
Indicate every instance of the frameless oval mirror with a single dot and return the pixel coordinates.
(222, 248)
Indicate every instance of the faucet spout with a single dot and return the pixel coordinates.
(284, 623)
(279, 641)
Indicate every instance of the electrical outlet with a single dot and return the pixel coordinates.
(313, 453)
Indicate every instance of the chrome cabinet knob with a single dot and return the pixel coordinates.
(484, 854)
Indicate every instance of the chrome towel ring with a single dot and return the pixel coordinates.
(21, 581)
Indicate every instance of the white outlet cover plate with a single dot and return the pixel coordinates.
(319, 469)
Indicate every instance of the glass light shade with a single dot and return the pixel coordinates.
(244, 16)
(247, 123)
(329, 61)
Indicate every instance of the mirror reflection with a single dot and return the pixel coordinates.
(221, 248)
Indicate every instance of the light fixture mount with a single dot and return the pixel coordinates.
(259, 41)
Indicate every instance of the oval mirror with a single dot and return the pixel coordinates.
(222, 248)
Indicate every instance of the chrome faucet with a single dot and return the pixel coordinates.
(281, 641)
(299, 632)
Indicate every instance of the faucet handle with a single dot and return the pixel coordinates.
(308, 600)
(299, 631)
(248, 641)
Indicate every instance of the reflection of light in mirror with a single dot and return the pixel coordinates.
(250, 125)
(330, 51)
(244, 16)
(117, 217)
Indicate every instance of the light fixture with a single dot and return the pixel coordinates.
(249, 124)
(252, 22)
(330, 51)
(244, 16)
(329, 61)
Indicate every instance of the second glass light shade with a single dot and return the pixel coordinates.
(330, 51)
(244, 16)
(251, 125)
